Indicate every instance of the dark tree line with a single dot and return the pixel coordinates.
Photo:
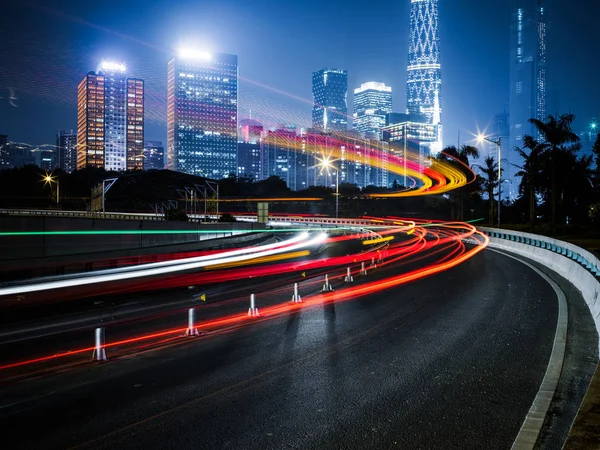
(560, 185)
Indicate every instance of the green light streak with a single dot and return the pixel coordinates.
(142, 232)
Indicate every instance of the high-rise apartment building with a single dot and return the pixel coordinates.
(424, 78)
(330, 108)
(110, 119)
(202, 114)
(154, 155)
(372, 102)
(249, 149)
(66, 150)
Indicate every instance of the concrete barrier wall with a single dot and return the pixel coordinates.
(579, 266)
(43, 246)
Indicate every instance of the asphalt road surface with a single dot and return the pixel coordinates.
(450, 361)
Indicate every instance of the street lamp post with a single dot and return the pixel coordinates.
(337, 192)
(326, 163)
(498, 143)
(49, 179)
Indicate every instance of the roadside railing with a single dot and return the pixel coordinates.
(577, 265)
(583, 257)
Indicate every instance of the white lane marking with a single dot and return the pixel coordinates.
(532, 425)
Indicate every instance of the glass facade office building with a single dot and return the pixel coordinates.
(115, 116)
(330, 108)
(527, 97)
(424, 78)
(202, 114)
(372, 102)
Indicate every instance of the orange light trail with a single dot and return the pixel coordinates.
(445, 236)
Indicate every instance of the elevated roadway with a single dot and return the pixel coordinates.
(451, 360)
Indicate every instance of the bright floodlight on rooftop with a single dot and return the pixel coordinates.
(189, 53)
(113, 66)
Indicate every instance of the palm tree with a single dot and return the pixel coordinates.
(556, 133)
(490, 180)
(460, 158)
(530, 172)
(596, 150)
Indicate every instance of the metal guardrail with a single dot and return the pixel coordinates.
(81, 214)
(586, 261)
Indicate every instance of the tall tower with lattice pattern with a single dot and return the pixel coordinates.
(424, 78)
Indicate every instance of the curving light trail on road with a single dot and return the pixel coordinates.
(433, 246)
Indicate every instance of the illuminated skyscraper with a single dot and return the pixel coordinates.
(424, 78)
(202, 114)
(527, 69)
(527, 97)
(330, 108)
(110, 119)
(115, 115)
(372, 101)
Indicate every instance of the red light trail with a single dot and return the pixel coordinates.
(442, 244)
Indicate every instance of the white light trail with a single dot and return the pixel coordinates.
(183, 266)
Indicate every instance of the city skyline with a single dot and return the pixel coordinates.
(469, 111)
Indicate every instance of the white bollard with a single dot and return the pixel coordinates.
(348, 278)
(363, 271)
(99, 351)
(253, 310)
(373, 265)
(296, 297)
(191, 328)
(326, 286)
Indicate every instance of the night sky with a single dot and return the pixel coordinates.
(47, 47)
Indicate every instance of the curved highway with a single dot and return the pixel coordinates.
(452, 360)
